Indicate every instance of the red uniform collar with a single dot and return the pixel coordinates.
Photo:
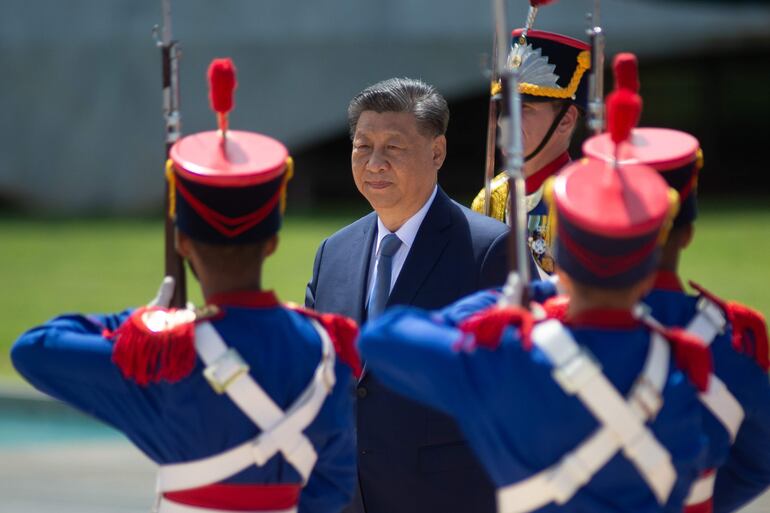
(245, 299)
(668, 280)
(611, 318)
(534, 181)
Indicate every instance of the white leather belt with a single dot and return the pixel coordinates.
(621, 424)
(280, 431)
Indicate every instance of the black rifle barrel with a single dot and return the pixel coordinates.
(174, 265)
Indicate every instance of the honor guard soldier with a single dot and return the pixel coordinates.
(738, 399)
(554, 93)
(245, 404)
(597, 413)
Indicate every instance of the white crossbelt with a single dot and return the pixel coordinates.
(702, 490)
(167, 506)
(707, 324)
(621, 424)
(281, 431)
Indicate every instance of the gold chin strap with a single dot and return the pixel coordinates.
(673, 210)
(288, 175)
(171, 180)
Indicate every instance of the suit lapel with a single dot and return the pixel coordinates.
(432, 237)
(359, 265)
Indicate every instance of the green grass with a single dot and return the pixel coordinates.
(49, 267)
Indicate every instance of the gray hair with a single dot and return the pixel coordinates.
(402, 95)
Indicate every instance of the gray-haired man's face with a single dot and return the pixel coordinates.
(395, 164)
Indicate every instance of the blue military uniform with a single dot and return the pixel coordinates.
(597, 413)
(246, 404)
(519, 421)
(737, 413)
(737, 403)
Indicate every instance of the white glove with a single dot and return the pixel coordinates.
(512, 291)
(165, 293)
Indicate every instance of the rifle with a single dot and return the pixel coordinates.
(596, 77)
(512, 147)
(494, 97)
(489, 164)
(169, 49)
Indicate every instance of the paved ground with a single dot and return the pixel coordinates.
(55, 461)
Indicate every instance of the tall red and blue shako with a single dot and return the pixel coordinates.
(553, 66)
(611, 217)
(674, 154)
(229, 186)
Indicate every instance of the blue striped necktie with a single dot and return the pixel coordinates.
(381, 289)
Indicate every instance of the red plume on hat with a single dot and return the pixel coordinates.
(222, 84)
(626, 71)
(540, 3)
(623, 111)
(624, 105)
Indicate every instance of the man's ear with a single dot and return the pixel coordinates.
(687, 235)
(439, 151)
(270, 246)
(569, 120)
(182, 244)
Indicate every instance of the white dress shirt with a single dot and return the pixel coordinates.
(407, 234)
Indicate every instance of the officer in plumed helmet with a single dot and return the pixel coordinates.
(554, 92)
(244, 404)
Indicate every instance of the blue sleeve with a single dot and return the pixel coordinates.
(427, 361)
(69, 359)
(460, 310)
(746, 474)
(747, 471)
(332, 483)
(679, 426)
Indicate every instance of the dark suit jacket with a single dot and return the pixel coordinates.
(413, 459)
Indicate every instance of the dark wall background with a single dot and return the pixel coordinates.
(723, 98)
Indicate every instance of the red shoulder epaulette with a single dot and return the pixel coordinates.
(488, 325)
(691, 354)
(556, 307)
(342, 330)
(748, 325)
(155, 344)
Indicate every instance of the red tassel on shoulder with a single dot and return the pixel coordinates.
(222, 83)
(155, 344)
(488, 325)
(540, 3)
(556, 307)
(749, 333)
(691, 355)
(748, 326)
(344, 333)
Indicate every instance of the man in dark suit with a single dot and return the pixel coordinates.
(417, 248)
